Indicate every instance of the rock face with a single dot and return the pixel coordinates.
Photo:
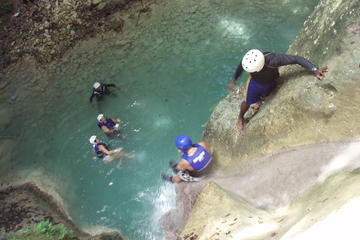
(302, 111)
(45, 30)
(218, 214)
(26, 204)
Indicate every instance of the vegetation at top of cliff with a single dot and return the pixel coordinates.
(45, 230)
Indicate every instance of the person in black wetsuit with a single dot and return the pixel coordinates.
(264, 70)
(101, 89)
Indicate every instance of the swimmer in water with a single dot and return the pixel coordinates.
(100, 90)
(110, 126)
(102, 151)
(195, 161)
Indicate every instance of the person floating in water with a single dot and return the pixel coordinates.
(101, 89)
(110, 126)
(263, 69)
(102, 151)
(195, 161)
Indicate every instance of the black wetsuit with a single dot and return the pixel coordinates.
(273, 61)
(104, 90)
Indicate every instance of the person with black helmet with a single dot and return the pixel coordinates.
(264, 70)
(195, 161)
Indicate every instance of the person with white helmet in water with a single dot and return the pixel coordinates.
(110, 126)
(264, 70)
(195, 161)
(101, 89)
(102, 151)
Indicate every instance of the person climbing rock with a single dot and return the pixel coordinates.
(110, 126)
(102, 151)
(195, 161)
(101, 89)
(264, 70)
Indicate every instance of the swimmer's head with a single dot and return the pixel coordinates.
(92, 139)
(183, 143)
(97, 85)
(100, 117)
(253, 61)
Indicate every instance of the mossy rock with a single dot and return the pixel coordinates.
(116, 23)
(101, 5)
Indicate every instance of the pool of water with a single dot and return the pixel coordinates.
(172, 74)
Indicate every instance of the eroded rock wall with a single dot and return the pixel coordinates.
(303, 110)
(322, 211)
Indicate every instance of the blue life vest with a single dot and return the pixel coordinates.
(102, 91)
(200, 160)
(96, 149)
(110, 124)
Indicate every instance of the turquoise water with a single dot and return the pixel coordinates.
(172, 74)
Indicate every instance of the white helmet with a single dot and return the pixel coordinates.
(253, 61)
(100, 116)
(96, 85)
(92, 139)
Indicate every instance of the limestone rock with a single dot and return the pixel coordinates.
(303, 110)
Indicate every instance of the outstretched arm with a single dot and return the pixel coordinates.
(107, 130)
(91, 97)
(232, 83)
(278, 60)
(113, 85)
(104, 150)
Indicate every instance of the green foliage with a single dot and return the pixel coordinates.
(46, 230)
(58, 231)
(26, 230)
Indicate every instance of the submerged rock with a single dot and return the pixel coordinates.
(5, 117)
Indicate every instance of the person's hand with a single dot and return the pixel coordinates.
(231, 86)
(320, 73)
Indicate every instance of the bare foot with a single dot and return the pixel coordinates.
(240, 125)
(257, 105)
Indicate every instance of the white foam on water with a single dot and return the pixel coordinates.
(141, 156)
(235, 29)
(163, 199)
(163, 122)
